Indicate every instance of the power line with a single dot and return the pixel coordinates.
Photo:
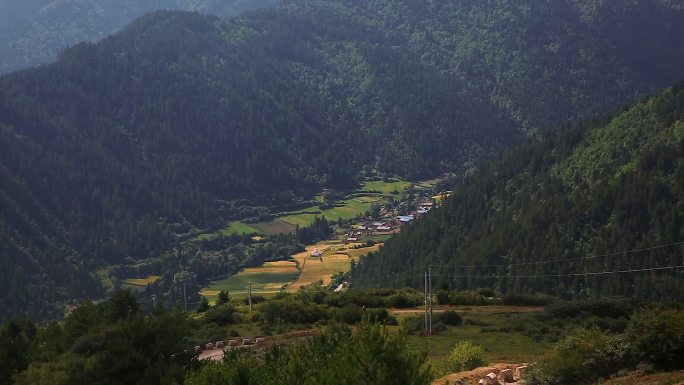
(563, 275)
(566, 259)
(674, 267)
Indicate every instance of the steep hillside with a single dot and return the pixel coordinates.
(555, 215)
(121, 148)
(33, 32)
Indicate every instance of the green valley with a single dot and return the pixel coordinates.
(119, 154)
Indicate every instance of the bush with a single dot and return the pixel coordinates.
(465, 356)
(403, 300)
(413, 325)
(442, 297)
(350, 314)
(515, 299)
(381, 315)
(451, 318)
(467, 298)
(221, 315)
(604, 308)
(587, 355)
(657, 336)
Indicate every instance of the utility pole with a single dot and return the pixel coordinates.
(430, 295)
(426, 301)
(249, 295)
(154, 301)
(185, 298)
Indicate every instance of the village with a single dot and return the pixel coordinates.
(389, 220)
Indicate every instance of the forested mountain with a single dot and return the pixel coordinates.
(550, 214)
(182, 121)
(34, 31)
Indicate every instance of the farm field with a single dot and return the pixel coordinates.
(266, 280)
(141, 281)
(346, 209)
(359, 202)
(385, 187)
(376, 237)
(320, 270)
(240, 228)
(276, 226)
(336, 257)
(236, 227)
(303, 270)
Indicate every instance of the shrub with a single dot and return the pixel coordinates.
(403, 300)
(465, 356)
(221, 315)
(585, 356)
(349, 314)
(381, 315)
(451, 318)
(442, 297)
(658, 337)
(413, 324)
(515, 299)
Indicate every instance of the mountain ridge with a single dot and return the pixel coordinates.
(182, 121)
(591, 199)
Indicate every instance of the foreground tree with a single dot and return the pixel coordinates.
(369, 355)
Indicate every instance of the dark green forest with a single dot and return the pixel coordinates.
(122, 149)
(34, 32)
(549, 214)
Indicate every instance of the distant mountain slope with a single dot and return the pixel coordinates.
(528, 221)
(33, 32)
(182, 121)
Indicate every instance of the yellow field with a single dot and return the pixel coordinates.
(302, 270)
(321, 270)
(355, 254)
(336, 257)
(142, 281)
(439, 198)
(266, 280)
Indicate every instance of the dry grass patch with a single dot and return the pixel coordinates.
(266, 280)
(315, 270)
(142, 281)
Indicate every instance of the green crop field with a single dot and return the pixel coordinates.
(276, 226)
(346, 209)
(234, 228)
(376, 237)
(385, 187)
(300, 220)
(240, 228)
(266, 280)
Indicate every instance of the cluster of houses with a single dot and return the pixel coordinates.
(389, 224)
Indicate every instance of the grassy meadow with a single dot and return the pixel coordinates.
(385, 188)
(484, 326)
